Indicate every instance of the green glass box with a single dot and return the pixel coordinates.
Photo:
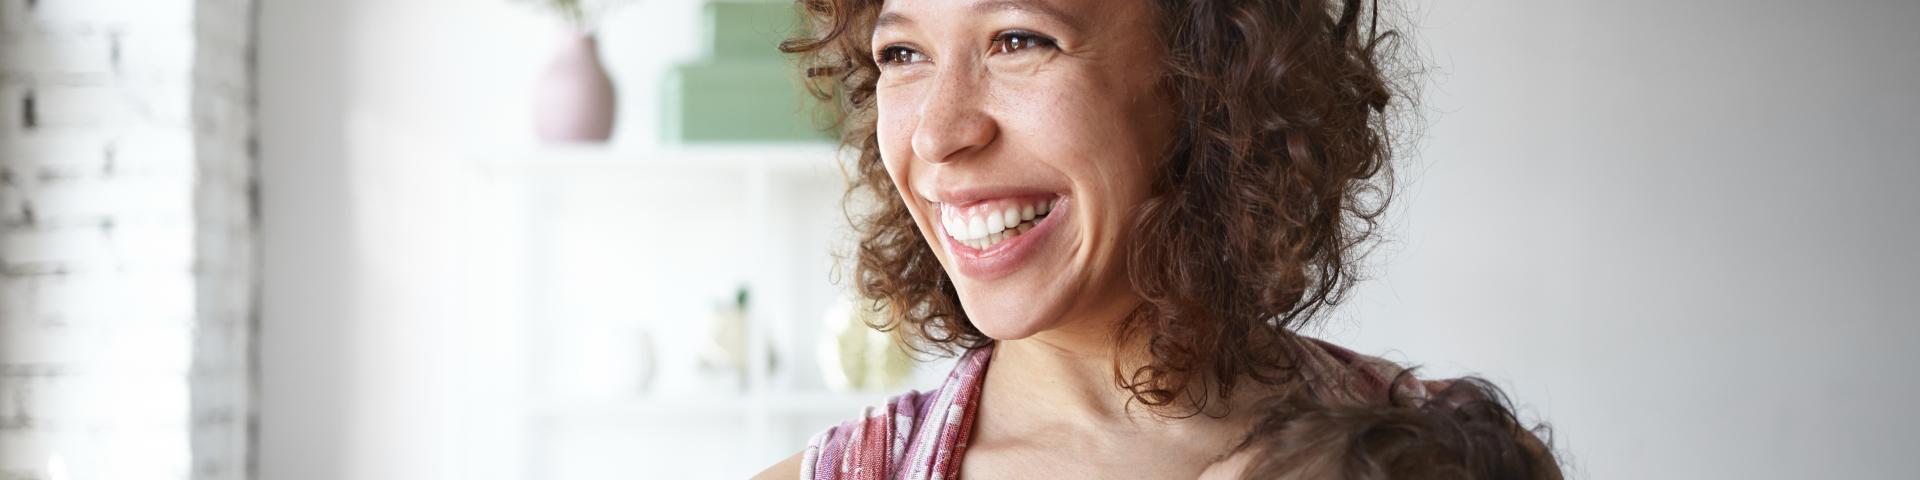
(745, 90)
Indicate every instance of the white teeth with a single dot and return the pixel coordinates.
(992, 227)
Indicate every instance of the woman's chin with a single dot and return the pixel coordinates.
(1021, 305)
(1007, 320)
(1006, 330)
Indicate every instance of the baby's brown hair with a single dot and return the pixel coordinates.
(1466, 430)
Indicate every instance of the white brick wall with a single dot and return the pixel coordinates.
(226, 313)
(127, 239)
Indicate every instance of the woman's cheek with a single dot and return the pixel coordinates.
(894, 123)
(892, 138)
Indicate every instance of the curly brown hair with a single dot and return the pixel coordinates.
(1279, 170)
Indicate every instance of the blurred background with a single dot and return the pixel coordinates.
(511, 239)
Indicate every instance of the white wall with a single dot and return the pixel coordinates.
(1682, 232)
(378, 360)
(1675, 229)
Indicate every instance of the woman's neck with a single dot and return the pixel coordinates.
(1070, 374)
(1067, 374)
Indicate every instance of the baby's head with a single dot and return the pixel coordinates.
(1466, 431)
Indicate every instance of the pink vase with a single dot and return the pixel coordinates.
(575, 97)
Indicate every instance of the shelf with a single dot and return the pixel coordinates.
(807, 159)
(657, 408)
(581, 230)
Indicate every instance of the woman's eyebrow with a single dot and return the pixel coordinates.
(890, 20)
(1033, 7)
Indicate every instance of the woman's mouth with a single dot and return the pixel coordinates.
(983, 225)
(990, 239)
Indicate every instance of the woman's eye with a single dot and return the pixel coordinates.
(899, 55)
(1011, 42)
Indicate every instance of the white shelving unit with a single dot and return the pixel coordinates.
(810, 161)
(614, 241)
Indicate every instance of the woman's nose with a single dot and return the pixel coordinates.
(953, 122)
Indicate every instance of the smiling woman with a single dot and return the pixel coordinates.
(1103, 203)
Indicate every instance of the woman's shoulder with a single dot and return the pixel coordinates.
(1349, 375)
(912, 435)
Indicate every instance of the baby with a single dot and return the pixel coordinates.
(1464, 431)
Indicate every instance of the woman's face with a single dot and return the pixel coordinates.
(1022, 134)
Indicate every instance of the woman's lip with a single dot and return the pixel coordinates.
(963, 196)
(1005, 257)
(991, 211)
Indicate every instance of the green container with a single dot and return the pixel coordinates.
(740, 30)
(739, 102)
(745, 90)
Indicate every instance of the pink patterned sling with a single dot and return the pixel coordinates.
(916, 435)
(923, 435)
